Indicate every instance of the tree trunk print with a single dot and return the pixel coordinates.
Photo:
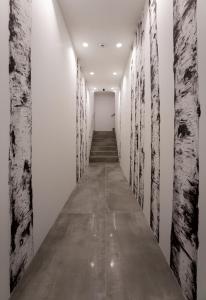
(120, 127)
(78, 124)
(20, 152)
(155, 119)
(81, 125)
(132, 70)
(81, 129)
(142, 113)
(184, 237)
(137, 121)
(86, 127)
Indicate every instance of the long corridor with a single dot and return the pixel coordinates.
(99, 248)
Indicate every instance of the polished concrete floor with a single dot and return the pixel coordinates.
(100, 248)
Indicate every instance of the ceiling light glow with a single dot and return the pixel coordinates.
(85, 45)
(112, 264)
(119, 45)
(115, 73)
(91, 73)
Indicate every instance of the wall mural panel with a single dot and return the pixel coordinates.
(81, 125)
(141, 66)
(132, 75)
(184, 238)
(20, 153)
(120, 126)
(137, 155)
(137, 121)
(155, 121)
(78, 124)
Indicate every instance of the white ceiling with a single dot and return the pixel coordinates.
(102, 21)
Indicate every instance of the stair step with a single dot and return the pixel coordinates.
(104, 159)
(103, 148)
(99, 136)
(103, 139)
(109, 143)
(104, 153)
(104, 132)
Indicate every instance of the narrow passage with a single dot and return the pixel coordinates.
(100, 248)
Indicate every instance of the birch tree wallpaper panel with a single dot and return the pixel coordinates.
(136, 121)
(137, 153)
(81, 125)
(20, 154)
(155, 121)
(132, 99)
(184, 237)
(141, 72)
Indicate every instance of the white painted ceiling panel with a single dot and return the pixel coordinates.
(108, 22)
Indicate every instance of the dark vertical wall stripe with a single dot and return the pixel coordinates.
(184, 238)
(132, 124)
(20, 168)
(81, 129)
(137, 156)
(81, 125)
(77, 125)
(142, 111)
(136, 120)
(120, 125)
(86, 127)
(155, 121)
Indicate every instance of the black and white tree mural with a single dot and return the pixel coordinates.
(137, 155)
(132, 76)
(78, 124)
(155, 121)
(184, 237)
(81, 125)
(136, 120)
(141, 73)
(20, 154)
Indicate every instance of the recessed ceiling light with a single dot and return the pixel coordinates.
(92, 73)
(115, 73)
(112, 88)
(95, 88)
(112, 264)
(119, 45)
(85, 45)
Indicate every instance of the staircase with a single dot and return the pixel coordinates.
(104, 147)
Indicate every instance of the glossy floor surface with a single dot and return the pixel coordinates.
(100, 248)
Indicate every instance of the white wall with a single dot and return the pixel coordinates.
(104, 106)
(4, 152)
(54, 115)
(201, 12)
